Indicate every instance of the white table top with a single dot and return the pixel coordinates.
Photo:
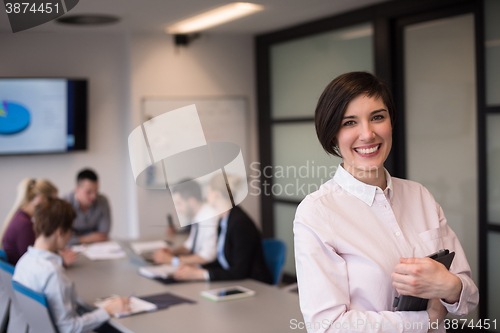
(270, 310)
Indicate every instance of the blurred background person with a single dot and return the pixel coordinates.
(239, 245)
(93, 215)
(41, 270)
(200, 246)
(17, 230)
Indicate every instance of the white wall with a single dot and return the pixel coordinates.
(121, 71)
(103, 60)
(210, 66)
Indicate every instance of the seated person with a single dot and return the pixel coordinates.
(239, 246)
(17, 231)
(200, 247)
(93, 216)
(41, 270)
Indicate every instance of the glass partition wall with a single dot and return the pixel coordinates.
(492, 165)
(300, 70)
(442, 60)
(440, 120)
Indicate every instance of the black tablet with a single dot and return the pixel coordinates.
(412, 303)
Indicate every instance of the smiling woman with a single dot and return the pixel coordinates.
(362, 238)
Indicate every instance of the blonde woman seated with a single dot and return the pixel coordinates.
(239, 245)
(41, 270)
(17, 230)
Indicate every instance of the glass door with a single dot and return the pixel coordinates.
(299, 71)
(440, 113)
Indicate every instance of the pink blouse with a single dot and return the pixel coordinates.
(348, 239)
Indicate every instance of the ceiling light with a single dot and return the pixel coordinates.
(214, 17)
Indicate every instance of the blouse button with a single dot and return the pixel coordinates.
(398, 234)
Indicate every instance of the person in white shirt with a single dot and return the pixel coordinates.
(201, 245)
(363, 237)
(41, 269)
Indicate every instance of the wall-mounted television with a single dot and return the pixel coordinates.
(42, 115)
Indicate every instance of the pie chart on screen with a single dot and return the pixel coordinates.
(14, 118)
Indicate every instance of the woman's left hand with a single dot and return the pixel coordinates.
(426, 278)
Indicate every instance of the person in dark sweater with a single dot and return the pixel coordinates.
(239, 246)
(17, 230)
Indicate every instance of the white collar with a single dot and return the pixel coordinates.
(51, 256)
(360, 190)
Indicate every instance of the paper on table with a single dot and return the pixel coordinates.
(104, 251)
(141, 247)
(78, 248)
(161, 271)
(137, 305)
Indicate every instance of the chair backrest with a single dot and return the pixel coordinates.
(3, 255)
(17, 322)
(274, 255)
(4, 300)
(34, 304)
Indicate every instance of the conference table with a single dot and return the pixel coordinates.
(270, 310)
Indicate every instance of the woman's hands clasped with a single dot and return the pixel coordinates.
(426, 278)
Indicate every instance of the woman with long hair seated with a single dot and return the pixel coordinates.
(17, 230)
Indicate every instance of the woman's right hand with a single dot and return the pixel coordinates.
(436, 312)
(118, 305)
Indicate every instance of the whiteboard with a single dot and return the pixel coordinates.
(223, 118)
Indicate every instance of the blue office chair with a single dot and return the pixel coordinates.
(17, 323)
(34, 304)
(4, 300)
(3, 255)
(274, 255)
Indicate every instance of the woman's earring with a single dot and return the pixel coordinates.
(337, 150)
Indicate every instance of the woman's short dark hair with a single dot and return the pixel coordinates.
(52, 215)
(334, 100)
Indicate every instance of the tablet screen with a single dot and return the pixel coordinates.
(230, 292)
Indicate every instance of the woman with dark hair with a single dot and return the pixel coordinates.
(364, 236)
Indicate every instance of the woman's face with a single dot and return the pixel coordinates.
(365, 135)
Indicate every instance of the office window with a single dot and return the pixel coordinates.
(493, 276)
(492, 51)
(492, 73)
(440, 116)
(493, 156)
(301, 69)
(299, 72)
(298, 174)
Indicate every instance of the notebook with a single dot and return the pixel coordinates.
(137, 305)
(100, 251)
